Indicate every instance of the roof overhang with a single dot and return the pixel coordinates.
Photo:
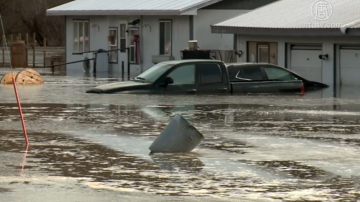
(198, 6)
(110, 12)
(285, 32)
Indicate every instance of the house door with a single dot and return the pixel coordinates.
(262, 52)
(123, 57)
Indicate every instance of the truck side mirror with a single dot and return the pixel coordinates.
(167, 81)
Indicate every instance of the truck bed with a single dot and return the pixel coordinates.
(241, 87)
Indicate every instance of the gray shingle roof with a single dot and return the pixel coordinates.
(300, 14)
(129, 7)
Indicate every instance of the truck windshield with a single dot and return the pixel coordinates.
(154, 72)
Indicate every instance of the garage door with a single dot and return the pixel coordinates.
(305, 61)
(350, 66)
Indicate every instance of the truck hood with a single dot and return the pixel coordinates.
(119, 87)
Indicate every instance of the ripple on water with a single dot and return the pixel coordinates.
(263, 136)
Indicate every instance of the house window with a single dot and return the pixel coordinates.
(133, 32)
(113, 45)
(81, 36)
(263, 53)
(165, 37)
(123, 38)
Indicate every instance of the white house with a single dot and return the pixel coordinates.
(163, 27)
(318, 39)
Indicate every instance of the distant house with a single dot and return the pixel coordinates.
(318, 39)
(163, 28)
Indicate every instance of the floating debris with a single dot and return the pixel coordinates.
(179, 136)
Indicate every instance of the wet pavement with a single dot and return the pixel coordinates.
(257, 148)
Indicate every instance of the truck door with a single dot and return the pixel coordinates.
(184, 80)
(211, 79)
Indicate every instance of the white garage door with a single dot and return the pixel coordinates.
(304, 60)
(350, 66)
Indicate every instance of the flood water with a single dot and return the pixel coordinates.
(257, 148)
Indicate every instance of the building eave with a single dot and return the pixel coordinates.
(199, 6)
(110, 12)
(283, 31)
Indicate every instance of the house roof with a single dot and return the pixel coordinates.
(297, 17)
(129, 7)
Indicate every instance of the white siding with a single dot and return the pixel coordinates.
(328, 47)
(149, 37)
(202, 30)
(99, 30)
(151, 40)
(98, 39)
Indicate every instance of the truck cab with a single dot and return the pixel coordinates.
(202, 76)
(192, 77)
(175, 77)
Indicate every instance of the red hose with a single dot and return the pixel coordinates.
(20, 110)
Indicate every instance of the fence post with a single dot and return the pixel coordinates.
(128, 62)
(44, 44)
(34, 45)
(3, 56)
(122, 69)
(3, 38)
(44, 58)
(27, 39)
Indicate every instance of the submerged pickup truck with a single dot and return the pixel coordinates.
(211, 77)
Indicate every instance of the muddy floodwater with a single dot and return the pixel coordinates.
(88, 147)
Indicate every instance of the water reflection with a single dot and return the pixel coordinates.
(297, 170)
(24, 159)
(4, 190)
(149, 119)
(178, 162)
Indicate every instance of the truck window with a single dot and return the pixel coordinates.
(210, 73)
(274, 73)
(184, 74)
(154, 72)
(253, 73)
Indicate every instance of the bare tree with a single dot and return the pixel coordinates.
(10, 24)
(30, 17)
